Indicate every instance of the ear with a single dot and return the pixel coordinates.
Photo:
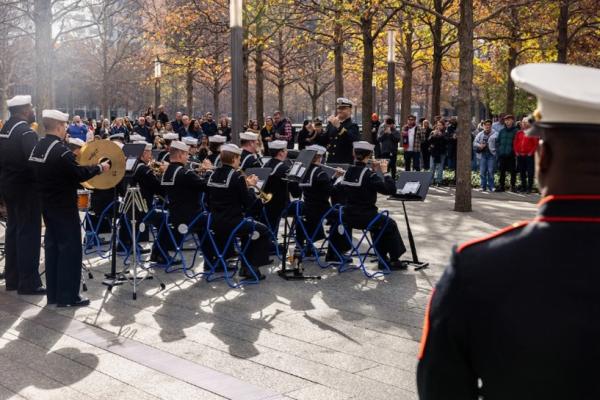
(543, 160)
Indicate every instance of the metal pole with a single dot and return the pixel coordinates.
(237, 37)
(156, 95)
(391, 70)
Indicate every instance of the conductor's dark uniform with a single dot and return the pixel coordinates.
(249, 160)
(518, 311)
(360, 186)
(340, 140)
(59, 177)
(24, 224)
(316, 189)
(229, 198)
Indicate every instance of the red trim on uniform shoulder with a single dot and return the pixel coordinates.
(425, 327)
(568, 219)
(566, 197)
(501, 232)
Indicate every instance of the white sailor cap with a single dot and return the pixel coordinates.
(171, 136)
(231, 148)
(217, 139)
(76, 142)
(190, 141)
(248, 136)
(55, 115)
(119, 135)
(147, 146)
(362, 145)
(19, 100)
(136, 138)
(566, 94)
(319, 149)
(344, 102)
(176, 144)
(278, 145)
(121, 145)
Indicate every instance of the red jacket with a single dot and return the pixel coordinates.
(524, 145)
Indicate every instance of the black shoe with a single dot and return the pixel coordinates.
(39, 290)
(394, 265)
(10, 288)
(499, 190)
(80, 302)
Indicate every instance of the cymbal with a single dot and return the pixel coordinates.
(93, 153)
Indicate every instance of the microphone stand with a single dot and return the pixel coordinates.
(111, 278)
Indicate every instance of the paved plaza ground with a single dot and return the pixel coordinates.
(344, 337)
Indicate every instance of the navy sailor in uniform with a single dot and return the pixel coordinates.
(214, 145)
(515, 314)
(58, 176)
(17, 183)
(249, 144)
(360, 186)
(316, 187)
(163, 155)
(230, 197)
(341, 132)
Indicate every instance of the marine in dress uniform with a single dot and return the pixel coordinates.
(183, 188)
(514, 315)
(17, 183)
(360, 186)
(249, 158)
(59, 176)
(276, 184)
(163, 156)
(229, 198)
(214, 145)
(341, 133)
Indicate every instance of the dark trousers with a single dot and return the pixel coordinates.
(393, 159)
(257, 252)
(390, 245)
(526, 168)
(311, 221)
(62, 247)
(168, 242)
(425, 156)
(507, 164)
(23, 238)
(412, 161)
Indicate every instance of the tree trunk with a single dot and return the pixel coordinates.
(510, 85)
(436, 71)
(216, 95)
(562, 45)
(407, 77)
(462, 201)
(260, 86)
(367, 77)
(43, 56)
(280, 93)
(338, 55)
(189, 91)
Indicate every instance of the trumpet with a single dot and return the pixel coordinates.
(200, 167)
(263, 196)
(156, 167)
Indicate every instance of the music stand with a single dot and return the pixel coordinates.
(297, 172)
(262, 174)
(419, 182)
(155, 154)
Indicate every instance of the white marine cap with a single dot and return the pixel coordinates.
(190, 141)
(176, 144)
(217, 139)
(55, 115)
(249, 136)
(19, 100)
(137, 138)
(231, 148)
(171, 136)
(315, 147)
(76, 142)
(278, 145)
(344, 102)
(362, 145)
(566, 94)
(119, 135)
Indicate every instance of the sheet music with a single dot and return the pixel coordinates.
(130, 163)
(409, 188)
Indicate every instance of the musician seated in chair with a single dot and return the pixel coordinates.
(316, 189)
(163, 156)
(230, 196)
(214, 145)
(249, 157)
(183, 187)
(360, 186)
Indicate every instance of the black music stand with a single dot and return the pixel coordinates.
(262, 174)
(300, 165)
(412, 186)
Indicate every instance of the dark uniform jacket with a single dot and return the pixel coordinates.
(183, 187)
(360, 186)
(215, 159)
(316, 189)
(249, 160)
(519, 310)
(163, 156)
(339, 140)
(229, 198)
(149, 183)
(58, 173)
(17, 140)
(277, 185)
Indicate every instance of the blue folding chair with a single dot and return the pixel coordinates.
(92, 242)
(355, 246)
(221, 259)
(273, 230)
